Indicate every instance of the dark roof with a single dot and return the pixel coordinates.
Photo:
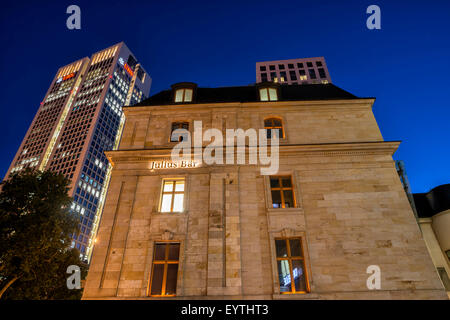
(250, 94)
(432, 202)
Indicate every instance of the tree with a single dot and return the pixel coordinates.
(35, 235)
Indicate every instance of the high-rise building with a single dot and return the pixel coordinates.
(329, 219)
(79, 118)
(299, 71)
(400, 166)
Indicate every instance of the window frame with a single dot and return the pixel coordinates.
(166, 263)
(173, 193)
(267, 89)
(290, 258)
(183, 96)
(281, 189)
(171, 129)
(275, 127)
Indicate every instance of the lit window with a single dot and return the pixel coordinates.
(183, 95)
(291, 266)
(268, 94)
(282, 192)
(274, 124)
(177, 137)
(165, 269)
(172, 197)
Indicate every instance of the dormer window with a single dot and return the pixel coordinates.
(183, 95)
(184, 92)
(268, 94)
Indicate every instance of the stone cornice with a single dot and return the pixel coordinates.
(338, 103)
(325, 149)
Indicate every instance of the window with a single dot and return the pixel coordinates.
(172, 196)
(275, 124)
(292, 75)
(300, 65)
(177, 137)
(309, 64)
(263, 77)
(283, 76)
(318, 63)
(268, 94)
(271, 68)
(444, 278)
(291, 66)
(262, 68)
(291, 265)
(281, 66)
(273, 76)
(165, 269)
(312, 73)
(183, 95)
(282, 192)
(322, 73)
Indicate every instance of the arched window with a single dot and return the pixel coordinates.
(274, 124)
(177, 137)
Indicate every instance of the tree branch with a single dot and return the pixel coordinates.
(7, 286)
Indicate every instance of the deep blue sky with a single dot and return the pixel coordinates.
(405, 65)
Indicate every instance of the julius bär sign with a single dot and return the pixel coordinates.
(168, 164)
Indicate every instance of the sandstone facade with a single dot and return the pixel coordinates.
(351, 210)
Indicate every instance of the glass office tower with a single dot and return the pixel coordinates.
(79, 118)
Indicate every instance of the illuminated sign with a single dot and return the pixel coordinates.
(130, 72)
(168, 164)
(68, 76)
(59, 80)
(121, 61)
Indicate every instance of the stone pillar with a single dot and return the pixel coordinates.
(224, 256)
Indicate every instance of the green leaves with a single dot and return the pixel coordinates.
(35, 229)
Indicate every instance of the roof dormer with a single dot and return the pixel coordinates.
(268, 91)
(184, 92)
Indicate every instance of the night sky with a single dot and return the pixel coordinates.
(405, 65)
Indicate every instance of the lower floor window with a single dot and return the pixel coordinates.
(165, 269)
(291, 266)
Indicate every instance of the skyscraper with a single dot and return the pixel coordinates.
(80, 117)
(293, 71)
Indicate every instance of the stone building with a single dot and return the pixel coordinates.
(433, 209)
(192, 230)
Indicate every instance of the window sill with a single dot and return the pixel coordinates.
(285, 210)
(170, 213)
(295, 296)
